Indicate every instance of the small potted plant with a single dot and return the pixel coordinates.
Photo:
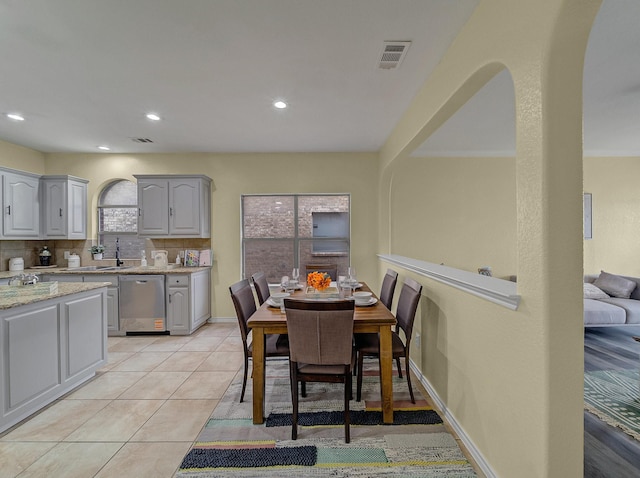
(97, 251)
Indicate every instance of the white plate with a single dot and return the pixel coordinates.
(355, 286)
(271, 303)
(372, 301)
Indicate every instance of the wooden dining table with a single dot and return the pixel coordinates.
(374, 318)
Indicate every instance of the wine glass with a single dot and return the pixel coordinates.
(351, 276)
(295, 276)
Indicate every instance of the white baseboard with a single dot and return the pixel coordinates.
(468, 443)
(219, 320)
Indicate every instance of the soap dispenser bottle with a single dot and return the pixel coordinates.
(143, 260)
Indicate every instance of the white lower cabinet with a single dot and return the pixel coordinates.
(188, 301)
(49, 347)
(113, 312)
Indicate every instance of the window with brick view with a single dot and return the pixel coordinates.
(118, 218)
(280, 232)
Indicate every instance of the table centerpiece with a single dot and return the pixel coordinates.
(319, 286)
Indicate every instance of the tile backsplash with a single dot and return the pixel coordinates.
(30, 251)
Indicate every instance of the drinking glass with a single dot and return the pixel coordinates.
(295, 276)
(352, 275)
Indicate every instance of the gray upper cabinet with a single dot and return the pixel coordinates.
(174, 205)
(64, 207)
(21, 203)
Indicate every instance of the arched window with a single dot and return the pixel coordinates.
(118, 218)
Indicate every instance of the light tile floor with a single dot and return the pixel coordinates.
(138, 417)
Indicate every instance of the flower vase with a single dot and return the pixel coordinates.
(97, 256)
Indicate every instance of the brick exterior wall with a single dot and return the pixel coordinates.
(272, 218)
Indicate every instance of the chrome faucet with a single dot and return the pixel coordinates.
(118, 261)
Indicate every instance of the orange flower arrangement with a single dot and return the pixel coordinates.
(318, 280)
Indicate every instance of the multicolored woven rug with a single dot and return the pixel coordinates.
(416, 445)
(614, 397)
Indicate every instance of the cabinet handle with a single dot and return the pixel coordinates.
(139, 211)
(60, 212)
(9, 210)
(169, 298)
(170, 211)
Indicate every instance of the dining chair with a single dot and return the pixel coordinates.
(261, 285)
(331, 269)
(369, 344)
(386, 292)
(321, 349)
(276, 345)
(388, 288)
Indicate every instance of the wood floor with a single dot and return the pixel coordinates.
(608, 451)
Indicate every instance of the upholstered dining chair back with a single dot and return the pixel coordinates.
(388, 288)
(245, 305)
(275, 345)
(331, 269)
(321, 349)
(407, 306)
(261, 285)
(320, 333)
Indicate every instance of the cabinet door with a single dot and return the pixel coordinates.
(153, 203)
(200, 298)
(77, 210)
(21, 206)
(184, 207)
(55, 204)
(113, 322)
(113, 312)
(178, 310)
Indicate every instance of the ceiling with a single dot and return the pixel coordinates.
(84, 73)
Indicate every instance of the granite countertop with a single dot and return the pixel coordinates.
(64, 288)
(171, 269)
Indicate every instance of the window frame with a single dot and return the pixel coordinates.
(297, 240)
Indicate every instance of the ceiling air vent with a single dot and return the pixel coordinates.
(141, 140)
(393, 52)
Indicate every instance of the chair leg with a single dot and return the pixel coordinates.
(399, 367)
(293, 377)
(347, 414)
(244, 377)
(303, 389)
(359, 379)
(406, 361)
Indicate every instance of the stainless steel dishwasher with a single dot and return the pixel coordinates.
(142, 303)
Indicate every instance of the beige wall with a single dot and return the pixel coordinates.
(456, 211)
(513, 380)
(613, 183)
(23, 159)
(238, 174)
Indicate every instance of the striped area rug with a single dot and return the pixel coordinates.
(614, 397)
(230, 445)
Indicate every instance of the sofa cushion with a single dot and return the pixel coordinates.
(592, 292)
(598, 312)
(631, 307)
(615, 286)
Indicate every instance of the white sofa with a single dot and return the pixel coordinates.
(612, 305)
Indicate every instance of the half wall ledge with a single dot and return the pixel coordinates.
(498, 291)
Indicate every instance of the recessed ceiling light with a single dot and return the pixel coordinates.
(15, 116)
(104, 148)
(153, 117)
(279, 104)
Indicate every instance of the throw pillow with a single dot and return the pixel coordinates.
(615, 286)
(592, 292)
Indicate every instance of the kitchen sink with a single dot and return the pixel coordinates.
(99, 268)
